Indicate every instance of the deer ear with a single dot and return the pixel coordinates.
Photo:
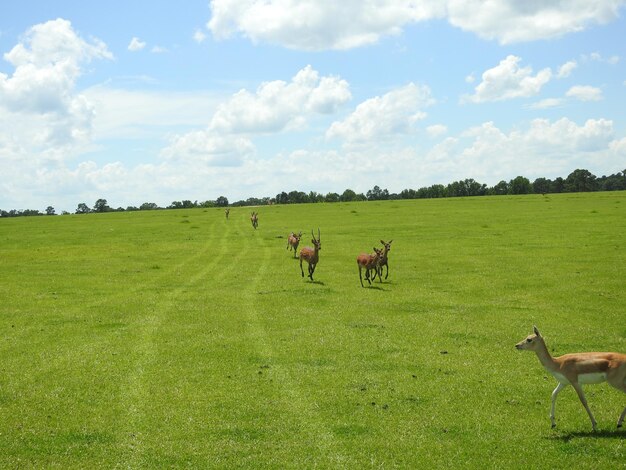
(536, 331)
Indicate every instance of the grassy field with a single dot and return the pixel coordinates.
(181, 339)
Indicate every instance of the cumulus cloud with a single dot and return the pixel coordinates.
(199, 36)
(566, 69)
(395, 112)
(210, 148)
(48, 61)
(584, 93)
(511, 21)
(279, 105)
(508, 80)
(274, 107)
(326, 24)
(546, 103)
(545, 148)
(136, 44)
(436, 130)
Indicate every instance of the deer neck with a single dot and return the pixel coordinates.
(544, 356)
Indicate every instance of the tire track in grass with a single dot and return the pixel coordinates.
(134, 393)
(298, 402)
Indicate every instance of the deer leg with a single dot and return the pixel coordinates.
(620, 385)
(555, 393)
(301, 270)
(387, 274)
(361, 276)
(583, 400)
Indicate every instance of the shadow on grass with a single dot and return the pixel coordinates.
(606, 434)
(317, 282)
(376, 288)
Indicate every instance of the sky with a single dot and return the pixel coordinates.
(160, 101)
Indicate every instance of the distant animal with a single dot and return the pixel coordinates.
(577, 369)
(369, 263)
(254, 218)
(227, 212)
(311, 255)
(293, 241)
(384, 259)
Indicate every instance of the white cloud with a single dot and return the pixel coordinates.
(585, 93)
(546, 103)
(136, 45)
(508, 80)
(199, 36)
(436, 130)
(566, 69)
(158, 50)
(274, 107)
(511, 21)
(326, 24)
(209, 148)
(280, 105)
(546, 148)
(597, 57)
(46, 117)
(395, 112)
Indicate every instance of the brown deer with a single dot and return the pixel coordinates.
(384, 260)
(369, 263)
(293, 241)
(254, 218)
(576, 369)
(311, 255)
(227, 212)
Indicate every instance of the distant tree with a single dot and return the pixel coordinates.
(558, 185)
(83, 209)
(348, 196)
(377, 194)
(148, 206)
(297, 197)
(132, 208)
(50, 210)
(580, 181)
(101, 206)
(541, 186)
(331, 197)
(282, 198)
(520, 185)
(221, 201)
(501, 188)
(614, 182)
(314, 197)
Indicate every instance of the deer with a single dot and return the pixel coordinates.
(311, 255)
(293, 241)
(369, 263)
(227, 212)
(384, 260)
(254, 218)
(577, 369)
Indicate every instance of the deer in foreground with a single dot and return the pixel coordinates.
(311, 255)
(577, 369)
(254, 218)
(369, 263)
(384, 259)
(293, 241)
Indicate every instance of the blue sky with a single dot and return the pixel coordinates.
(160, 101)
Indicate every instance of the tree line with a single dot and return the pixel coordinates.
(579, 180)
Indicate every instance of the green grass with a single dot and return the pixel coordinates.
(181, 339)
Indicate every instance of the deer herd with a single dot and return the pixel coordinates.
(573, 369)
